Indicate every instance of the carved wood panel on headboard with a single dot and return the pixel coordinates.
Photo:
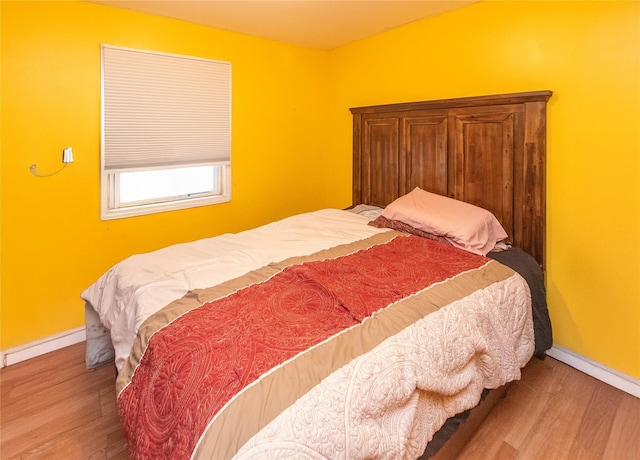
(488, 150)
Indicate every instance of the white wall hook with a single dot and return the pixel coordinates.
(67, 157)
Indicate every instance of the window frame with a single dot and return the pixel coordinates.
(110, 198)
(111, 208)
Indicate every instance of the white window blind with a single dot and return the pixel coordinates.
(163, 110)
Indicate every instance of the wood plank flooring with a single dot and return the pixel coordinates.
(52, 407)
(557, 412)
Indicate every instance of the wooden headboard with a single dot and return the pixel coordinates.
(489, 151)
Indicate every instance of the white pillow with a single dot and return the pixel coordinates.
(464, 225)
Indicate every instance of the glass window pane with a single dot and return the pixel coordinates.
(158, 184)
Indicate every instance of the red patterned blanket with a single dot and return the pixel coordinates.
(192, 367)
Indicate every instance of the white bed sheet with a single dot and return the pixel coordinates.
(135, 288)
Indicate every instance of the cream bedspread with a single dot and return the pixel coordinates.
(471, 332)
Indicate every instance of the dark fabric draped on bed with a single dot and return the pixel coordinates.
(528, 268)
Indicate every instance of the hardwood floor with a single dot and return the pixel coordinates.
(557, 412)
(52, 407)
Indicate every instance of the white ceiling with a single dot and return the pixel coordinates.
(320, 24)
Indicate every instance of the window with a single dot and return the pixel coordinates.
(166, 132)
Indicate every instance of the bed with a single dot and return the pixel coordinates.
(358, 333)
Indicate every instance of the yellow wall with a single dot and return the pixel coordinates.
(53, 242)
(588, 54)
(292, 132)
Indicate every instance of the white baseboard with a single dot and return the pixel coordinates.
(40, 347)
(605, 374)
